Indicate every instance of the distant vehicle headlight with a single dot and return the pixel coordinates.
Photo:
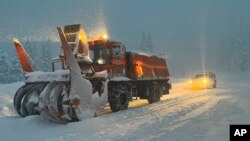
(205, 81)
(190, 81)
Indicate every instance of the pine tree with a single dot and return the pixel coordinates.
(46, 56)
(226, 56)
(243, 52)
(4, 68)
(149, 43)
(143, 42)
(16, 73)
(146, 43)
(29, 48)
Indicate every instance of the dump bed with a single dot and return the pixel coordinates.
(142, 66)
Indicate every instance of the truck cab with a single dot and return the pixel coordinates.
(108, 55)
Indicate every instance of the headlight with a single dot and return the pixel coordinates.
(205, 81)
(100, 61)
(190, 81)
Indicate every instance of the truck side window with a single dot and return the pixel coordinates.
(116, 51)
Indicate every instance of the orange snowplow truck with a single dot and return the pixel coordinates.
(137, 75)
(86, 68)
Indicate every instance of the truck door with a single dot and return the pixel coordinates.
(118, 59)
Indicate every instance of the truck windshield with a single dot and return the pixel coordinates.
(97, 54)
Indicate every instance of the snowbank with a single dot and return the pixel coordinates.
(7, 92)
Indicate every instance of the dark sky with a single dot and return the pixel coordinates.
(177, 26)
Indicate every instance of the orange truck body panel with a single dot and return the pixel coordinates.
(145, 67)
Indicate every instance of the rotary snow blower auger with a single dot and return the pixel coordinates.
(66, 94)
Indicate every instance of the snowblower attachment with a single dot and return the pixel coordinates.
(63, 95)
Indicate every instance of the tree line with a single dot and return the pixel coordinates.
(146, 44)
(235, 53)
(10, 68)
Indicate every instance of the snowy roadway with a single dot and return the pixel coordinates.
(185, 114)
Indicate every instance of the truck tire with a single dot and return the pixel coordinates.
(154, 93)
(166, 88)
(118, 97)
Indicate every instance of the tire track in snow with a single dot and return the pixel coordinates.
(168, 123)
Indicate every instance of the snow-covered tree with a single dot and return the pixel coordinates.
(15, 70)
(226, 56)
(149, 43)
(4, 68)
(29, 47)
(146, 43)
(143, 42)
(235, 53)
(46, 56)
(243, 56)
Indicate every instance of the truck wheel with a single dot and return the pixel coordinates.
(118, 96)
(154, 93)
(166, 88)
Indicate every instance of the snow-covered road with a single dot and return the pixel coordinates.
(183, 115)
